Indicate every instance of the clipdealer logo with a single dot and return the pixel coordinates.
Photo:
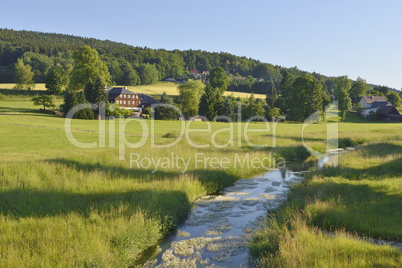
(238, 131)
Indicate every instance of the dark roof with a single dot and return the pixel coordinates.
(380, 104)
(371, 99)
(114, 92)
(386, 110)
(147, 99)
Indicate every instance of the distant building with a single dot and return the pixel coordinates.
(380, 105)
(367, 101)
(195, 118)
(195, 74)
(372, 103)
(389, 112)
(129, 100)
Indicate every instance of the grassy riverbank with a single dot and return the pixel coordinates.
(323, 218)
(61, 205)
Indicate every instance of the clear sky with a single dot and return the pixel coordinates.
(354, 38)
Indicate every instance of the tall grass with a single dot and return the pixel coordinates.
(294, 243)
(66, 206)
(361, 196)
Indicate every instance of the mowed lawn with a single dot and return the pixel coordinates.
(62, 205)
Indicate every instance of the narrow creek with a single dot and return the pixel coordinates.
(217, 230)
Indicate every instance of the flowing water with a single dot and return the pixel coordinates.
(219, 226)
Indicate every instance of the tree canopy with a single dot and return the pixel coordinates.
(219, 79)
(23, 76)
(88, 66)
(189, 96)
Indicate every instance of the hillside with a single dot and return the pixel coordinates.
(48, 48)
(42, 51)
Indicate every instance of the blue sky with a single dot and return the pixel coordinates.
(354, 38)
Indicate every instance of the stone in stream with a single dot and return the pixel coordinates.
(250, 201)
(276, 183)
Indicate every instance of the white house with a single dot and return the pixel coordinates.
(372, 103)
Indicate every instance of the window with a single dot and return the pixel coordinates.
(129, 102)
(136, 96)
(124, 102)
(139, 103)
(129, 96)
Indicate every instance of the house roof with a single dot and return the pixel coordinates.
(194, 71)
(385, 110)
(147, 99)
(114, 92)
(371, 99)
(380, 104)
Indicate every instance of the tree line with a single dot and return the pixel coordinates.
(128, 65)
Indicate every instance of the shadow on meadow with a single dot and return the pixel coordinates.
(366, 201)
(24, 111)
(389, 169)
(212, 180)
(18, 92)
(171, 206)
(362, 208)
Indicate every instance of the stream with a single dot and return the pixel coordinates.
(217, 230)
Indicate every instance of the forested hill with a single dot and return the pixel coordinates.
(49, 46)
(44, 50)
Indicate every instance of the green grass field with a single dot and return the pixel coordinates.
(61, 205)
(359, 198)
(155, 89)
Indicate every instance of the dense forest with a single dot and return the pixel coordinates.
(42, 51)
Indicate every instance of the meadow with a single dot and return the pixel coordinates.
(327, 219)
(154, 89)
(62, 205)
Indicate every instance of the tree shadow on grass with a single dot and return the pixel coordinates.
(17, 92)
(21, 203)
(24, 111)
(390, 169)
(212, 180)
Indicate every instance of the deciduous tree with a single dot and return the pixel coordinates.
(55, 80)
(189, 96)
(45, 100)
(394, 99)
(342, 87)
(148, 74)
(358, 90)
(219, 79)
(23, 76)
(88, 66)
